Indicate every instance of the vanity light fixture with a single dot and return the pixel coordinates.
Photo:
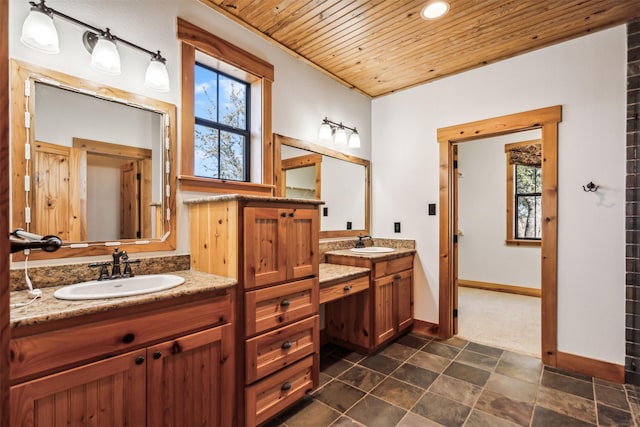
(435, 9)
(39, 33)
(339, 131)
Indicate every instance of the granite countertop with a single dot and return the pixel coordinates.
(336, 273)
(375, 256)
(250, 198)
(48, 308)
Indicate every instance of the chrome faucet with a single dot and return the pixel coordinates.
(360, 242)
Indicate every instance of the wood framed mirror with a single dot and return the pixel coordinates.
(91, 164)
(342, 181)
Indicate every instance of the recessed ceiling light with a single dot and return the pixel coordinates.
(434, 9)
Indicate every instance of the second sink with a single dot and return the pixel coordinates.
(124, 287)
(371, 250)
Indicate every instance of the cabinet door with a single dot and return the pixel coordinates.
(110, 392)
(302, 242)
(265, 249)
(404, 299)
(190, 380)
(385, 326)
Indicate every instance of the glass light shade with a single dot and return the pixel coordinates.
(341, 136)
(157, 77)
(435, 9)
(324, 134)
(39, 33)
(354, 140)
(105, 57)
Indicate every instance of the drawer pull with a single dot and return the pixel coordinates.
(286, 386)
(285, 303)
(292, 214)
(286, 345)
(139, 360)
(283, 214)
(157, 355)
(397, 277)
(128, 338)
(347, 288)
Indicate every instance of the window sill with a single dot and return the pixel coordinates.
(523, 242)
(208, 185)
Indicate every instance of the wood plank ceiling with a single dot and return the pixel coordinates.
(381, 46)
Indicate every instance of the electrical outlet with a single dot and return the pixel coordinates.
(432, 208)
(396, 227)
(325, 211)
(349, 225)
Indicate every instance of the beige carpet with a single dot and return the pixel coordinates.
(499, 319)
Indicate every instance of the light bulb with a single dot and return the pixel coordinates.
(341, 136)
(324, 134)
(105, 57)
(39, 33)
(435, 9)
(354, 139)
(157, 76)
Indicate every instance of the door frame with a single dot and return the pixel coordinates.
(545, 119)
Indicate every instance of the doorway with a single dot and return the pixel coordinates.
(497, 199)
(545, 119)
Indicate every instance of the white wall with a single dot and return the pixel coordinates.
(483, 255)
(302, 96)
(587, 77)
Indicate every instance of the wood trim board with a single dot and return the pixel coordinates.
(498, 287)
(547, 120)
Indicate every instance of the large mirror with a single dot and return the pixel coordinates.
(91, 165)
(342, 181)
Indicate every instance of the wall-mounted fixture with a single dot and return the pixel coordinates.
(590, 187)
(339, 132)
(435, 9)
(39, 33)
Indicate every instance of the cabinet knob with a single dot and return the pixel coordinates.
(157, 355)
(128, 338)
(139, 360)
(286, 345)
(292, 214)
(397, 277)
(286, 386)
(347, 288)
(283, 214)
(285, 303)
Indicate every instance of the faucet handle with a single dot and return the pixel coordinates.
(104, 272)
(127, 266)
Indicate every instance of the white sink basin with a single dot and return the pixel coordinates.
(372, 250)
(124, 287)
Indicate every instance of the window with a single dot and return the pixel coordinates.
(524, 193)
(528, 202)
(226, 141)
(221, 134)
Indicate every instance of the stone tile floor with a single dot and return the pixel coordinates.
(419, 381)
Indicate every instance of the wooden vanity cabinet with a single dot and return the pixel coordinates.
(182, 381)
(367, 320)
(271, 247)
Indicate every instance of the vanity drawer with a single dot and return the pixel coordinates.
(343, 289)
(278, 305)
(384, 268)
(273, 394)
(54, 350)
(274, 350)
